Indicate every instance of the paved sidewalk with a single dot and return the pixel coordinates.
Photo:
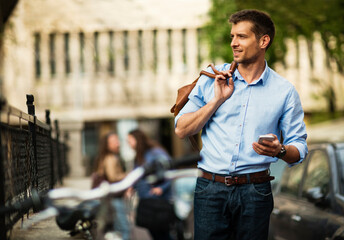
(49, 230)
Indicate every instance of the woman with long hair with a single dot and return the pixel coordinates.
(110, 168)
(148, 150)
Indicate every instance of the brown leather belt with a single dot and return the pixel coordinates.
(257, 177)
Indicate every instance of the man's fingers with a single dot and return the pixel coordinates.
(263, 150)
(220, 77)
(230, 81)
(226, 74)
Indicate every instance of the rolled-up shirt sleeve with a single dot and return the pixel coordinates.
(190, 106)
(293, 126)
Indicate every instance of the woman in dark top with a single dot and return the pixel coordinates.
(147, 151)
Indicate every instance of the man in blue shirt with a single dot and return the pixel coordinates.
(233, 198)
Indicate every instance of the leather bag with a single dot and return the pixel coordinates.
(184, 92)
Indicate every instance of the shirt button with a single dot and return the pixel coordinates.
(243, 105)
(232, 163)
(236, 144)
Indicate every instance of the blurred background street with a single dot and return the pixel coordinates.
(72, 71)
(116, 65)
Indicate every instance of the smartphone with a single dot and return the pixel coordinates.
(265, 137)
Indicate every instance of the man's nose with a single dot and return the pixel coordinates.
(234, 42)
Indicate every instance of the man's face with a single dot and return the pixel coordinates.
(244, 44)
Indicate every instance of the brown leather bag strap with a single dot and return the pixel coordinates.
(194, 143)
(214, 69)
(216, 72)
(211, 75)
(203, 72)
(234, 65)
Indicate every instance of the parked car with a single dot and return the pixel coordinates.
(309, 199)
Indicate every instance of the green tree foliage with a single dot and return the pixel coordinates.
(217, 31)
(292, 19)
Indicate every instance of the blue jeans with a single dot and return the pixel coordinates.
(121, 222)
(232, 212)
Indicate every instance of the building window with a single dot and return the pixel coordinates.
(82, 55)
(111, 67)
(126, 50)
(155, 51)
(37, 37)
(52, 57)
(169, 49)
(184, 49)
(140, 50)
(66, 54)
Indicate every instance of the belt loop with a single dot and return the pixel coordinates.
(213, 177)
(248, 178)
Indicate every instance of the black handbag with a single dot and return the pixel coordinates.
(155, 214)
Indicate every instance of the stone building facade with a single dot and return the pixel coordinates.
(103, 65)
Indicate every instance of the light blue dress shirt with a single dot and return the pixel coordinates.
(267, 105)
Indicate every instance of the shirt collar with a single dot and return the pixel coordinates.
(263, 78)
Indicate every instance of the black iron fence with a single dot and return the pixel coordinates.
(32, 157)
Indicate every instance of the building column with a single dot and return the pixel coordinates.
(57, 80)
(204, 51)
(41, 92)
(100, 81)
(177, 61)
(76, 91)
(161, 85)
(191, 52)
(88, 54)
(177, 51)
(118, 89)
(133, 59)
(75, 161)
(133, 53)
(145, 86)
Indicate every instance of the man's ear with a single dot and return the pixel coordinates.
(264, 41)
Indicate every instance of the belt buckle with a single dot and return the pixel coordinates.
(234, 180)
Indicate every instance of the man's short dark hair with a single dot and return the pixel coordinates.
(262, 22)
